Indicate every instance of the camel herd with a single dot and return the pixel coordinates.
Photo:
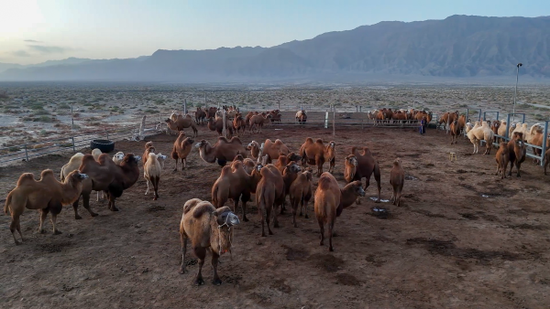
(269, 173)
(513, 152)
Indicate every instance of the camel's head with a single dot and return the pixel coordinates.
(293, 157)
(332, 144)
(168, 120)
(358, 188)
(293, 167)
(251, 145)
(351, 160)
(225, 217)
(118, 156)
(200, 144)
(76, 175)
(130, 158)
(397, 162)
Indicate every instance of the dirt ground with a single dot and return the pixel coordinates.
(464, 238)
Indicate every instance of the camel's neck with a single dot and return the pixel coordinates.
(253, 181)
(349, 173)
(348, 196)
(172, 125)
(132, 175)
(71, 191)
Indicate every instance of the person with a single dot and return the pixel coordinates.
(423, 125)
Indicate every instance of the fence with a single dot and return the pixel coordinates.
(509, 119)
(73, 142)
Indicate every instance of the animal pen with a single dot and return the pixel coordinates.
(486, 115)
(74, 141)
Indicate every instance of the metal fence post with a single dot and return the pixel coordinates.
(74, 148)
(506, 134)
(326, 120)
(334, 120)
(544, 145)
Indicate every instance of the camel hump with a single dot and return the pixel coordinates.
(309, 140)
(325, 182)
(319, 141)
(103, 158)
(76, 156)
(46, 173)
(148, 144)
(277, 142)
(190, 204)
(202, 208)
(226, 170)
(222, 139)
(25, 178)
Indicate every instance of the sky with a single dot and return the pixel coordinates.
(33, 31)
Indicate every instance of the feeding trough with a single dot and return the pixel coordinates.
(381, 213)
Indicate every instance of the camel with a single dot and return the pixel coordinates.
(479, 133)
(222, 152)
(46, 195)
(270, 193)
(517, 150)
(217, 125)
(233, 183)
(300, 193)
(207, 228)
(273, 150)
(181, 149)
(315, 153)
(200, 116)
(330, 201)
(109, 177)
(366, 166)
(301, 116)
(258, 121)
(283, 161)
(239, 124)
(152, 170)
(182, 123)
(502, 158)
(397, 179)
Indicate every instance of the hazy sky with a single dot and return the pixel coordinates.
(33, 31)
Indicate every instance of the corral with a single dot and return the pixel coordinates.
(462, 238)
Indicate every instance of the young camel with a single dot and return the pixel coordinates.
(46, 195)
(397, 179)
(181, 149)
(152, 170)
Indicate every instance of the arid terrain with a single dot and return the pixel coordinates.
(30, 112)
(463, 238)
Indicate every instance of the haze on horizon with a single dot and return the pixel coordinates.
(33, 31)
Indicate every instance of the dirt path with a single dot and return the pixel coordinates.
(463, 239)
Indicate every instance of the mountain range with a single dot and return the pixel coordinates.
(458, 46)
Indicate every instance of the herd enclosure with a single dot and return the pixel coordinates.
(463, 238)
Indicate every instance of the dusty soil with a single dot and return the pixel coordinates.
(463, 239)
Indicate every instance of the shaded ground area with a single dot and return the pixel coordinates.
(463, 238)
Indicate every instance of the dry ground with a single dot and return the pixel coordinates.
(463, 239)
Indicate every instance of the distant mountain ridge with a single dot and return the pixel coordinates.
(458, 46)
